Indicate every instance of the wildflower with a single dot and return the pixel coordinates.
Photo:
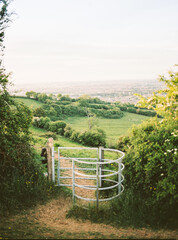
(162, 174)
(174, 134)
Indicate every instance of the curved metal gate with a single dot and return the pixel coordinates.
(99, 170)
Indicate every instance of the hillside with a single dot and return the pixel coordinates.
(73, 112)
(113, 127)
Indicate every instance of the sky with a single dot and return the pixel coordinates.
(61, 41)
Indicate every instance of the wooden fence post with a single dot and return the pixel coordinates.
(49, 146)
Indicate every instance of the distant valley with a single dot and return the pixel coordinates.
(110, 91)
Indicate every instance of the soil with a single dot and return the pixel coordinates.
(52, 215)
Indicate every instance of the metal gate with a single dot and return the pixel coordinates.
(81, 168)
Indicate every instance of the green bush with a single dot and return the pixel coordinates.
(151, 170)
(93, 138)
(68, 131)
(39, 112)
(57, 126)
(42, 122)
(75, 136)
(22, 180)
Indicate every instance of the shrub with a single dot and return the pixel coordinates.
(42, 122)
(75, 136)
(39, 112)
(93, 138)
(22, 180)
(57, 126)
(68, 131)
(151, 169)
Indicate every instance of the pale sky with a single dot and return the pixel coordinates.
(91, 40)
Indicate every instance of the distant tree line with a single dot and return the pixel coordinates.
(61, 106)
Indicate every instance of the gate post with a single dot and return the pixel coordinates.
(73, 181)
(49, 148)
(101, 159)
(119, 176)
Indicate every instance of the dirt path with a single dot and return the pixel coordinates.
(79, 191)
(50, 221)
(53, 216)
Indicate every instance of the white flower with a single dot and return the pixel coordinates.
(45, 174)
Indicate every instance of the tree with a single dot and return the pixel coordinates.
(4, 20)
(22, 181)
(151, 157)
(164, 102)
(39, 112)
(92, 120)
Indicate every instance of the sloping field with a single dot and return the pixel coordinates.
(113, 127)
(31, 103)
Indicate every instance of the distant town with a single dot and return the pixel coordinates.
(111, 91)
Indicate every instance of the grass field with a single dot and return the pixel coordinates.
(41, 140)
(113, 127)
(31, 103)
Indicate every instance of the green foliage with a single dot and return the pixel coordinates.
(57, 127)
(151, 159)
(39, 112)
(164, 102)
(68, 131)
(112, 127)
(4, 20)
(151, 168)
(46, 123)
(62, 106)
(95, 137)
(22, 180)
(42, 122)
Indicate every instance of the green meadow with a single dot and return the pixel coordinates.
(113, 127)
(31, 103)
(41, 140)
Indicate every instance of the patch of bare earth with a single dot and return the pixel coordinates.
(53, 215)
